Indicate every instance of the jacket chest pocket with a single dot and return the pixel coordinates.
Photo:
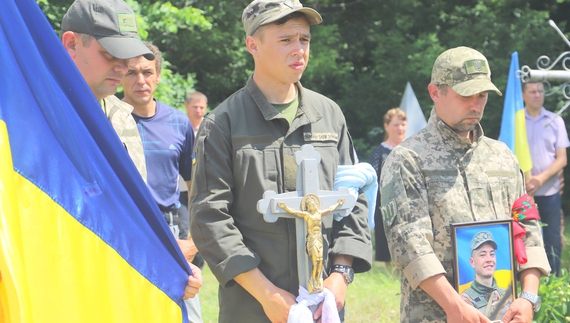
(447, 195)
(502, 186)
(256, 162)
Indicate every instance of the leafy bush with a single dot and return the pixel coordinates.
(555, 294)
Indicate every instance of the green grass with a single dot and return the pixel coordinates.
(209, 296)
(373, 297)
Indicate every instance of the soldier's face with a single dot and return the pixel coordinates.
(460, 113)
(484, 261)
(102, 72)
(281, 53)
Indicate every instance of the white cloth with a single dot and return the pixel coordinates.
(300, 312)
(360, 176)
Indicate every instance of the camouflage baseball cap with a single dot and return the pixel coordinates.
(262, 12)
(480, 238)
(465, 70)
(111, 22)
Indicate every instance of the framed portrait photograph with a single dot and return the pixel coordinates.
(484, 265)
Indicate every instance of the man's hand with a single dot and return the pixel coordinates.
(533, 184)
(194, 282)
(466, 313)
(337, 285)
(188, 249)
(456, 309)
(276, 302)
(520, 311)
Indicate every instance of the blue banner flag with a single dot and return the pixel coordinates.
(81, 238)
(513, 125)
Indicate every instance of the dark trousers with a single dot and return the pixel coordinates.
(549, 210)
(184, 226)
(183, 214)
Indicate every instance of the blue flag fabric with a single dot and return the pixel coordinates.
(513, 125)
(71, 201)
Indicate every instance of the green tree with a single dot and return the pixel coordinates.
(390, 43)
(361, 56)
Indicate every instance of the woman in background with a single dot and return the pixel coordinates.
(394, 134)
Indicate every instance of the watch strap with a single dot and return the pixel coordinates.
(346, 271)
(532, 298)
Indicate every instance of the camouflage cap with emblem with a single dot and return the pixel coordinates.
(465, 70)
(111, 22)
(262, 12)
(480, 238)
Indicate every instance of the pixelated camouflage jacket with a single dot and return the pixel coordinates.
(436, 178)
(119, 114)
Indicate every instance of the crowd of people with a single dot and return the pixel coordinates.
(207, 172)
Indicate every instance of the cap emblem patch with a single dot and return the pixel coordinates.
(127, 23)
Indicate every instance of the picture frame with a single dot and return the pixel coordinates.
(484, 265)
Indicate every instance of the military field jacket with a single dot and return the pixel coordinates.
(119, 114)
(244, 148)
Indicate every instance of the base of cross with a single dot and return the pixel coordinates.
(308, 304)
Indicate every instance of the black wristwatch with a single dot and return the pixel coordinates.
(346, 271)
(532, 298)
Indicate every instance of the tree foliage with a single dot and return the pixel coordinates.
(361, 56)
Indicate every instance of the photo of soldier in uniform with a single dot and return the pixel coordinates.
(485, 265)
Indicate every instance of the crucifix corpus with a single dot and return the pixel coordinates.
(304, 206)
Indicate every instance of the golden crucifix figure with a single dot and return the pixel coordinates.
(312, 215)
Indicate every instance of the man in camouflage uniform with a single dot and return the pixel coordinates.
(100, 36)
(484, 293)
(449, 172)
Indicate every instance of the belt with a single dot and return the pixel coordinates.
(173, 212)
(171, 217)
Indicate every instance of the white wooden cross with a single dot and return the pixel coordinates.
(307, 183)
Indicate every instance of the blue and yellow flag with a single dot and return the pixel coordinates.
(513, 125)
(81, 238)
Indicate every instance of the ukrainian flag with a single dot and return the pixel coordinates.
(81, 238)
(513, 125)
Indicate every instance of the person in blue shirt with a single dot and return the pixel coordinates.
(167, 138)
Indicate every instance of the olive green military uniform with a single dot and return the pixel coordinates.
(436, 178)
(119, 114)
(244, 148)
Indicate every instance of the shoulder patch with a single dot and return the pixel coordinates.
(389, 212)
